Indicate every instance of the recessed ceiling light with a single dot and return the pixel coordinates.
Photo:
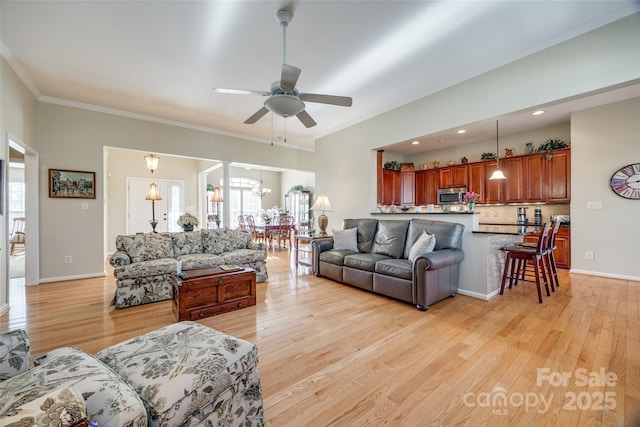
(537, 113)
(462, 131)
(415, 142)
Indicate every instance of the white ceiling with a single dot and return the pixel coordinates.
(162, 58)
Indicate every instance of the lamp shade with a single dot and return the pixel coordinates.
(217, 195)
(322, 204)
(153, 193)
(152, 161)
(497, 174)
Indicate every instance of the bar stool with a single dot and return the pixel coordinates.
(551, 258)
(518, 257)
(550, 254)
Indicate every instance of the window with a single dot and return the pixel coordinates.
(242, 200)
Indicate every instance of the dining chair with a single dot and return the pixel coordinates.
(284, 230)
(17, 234)
(242, 224)
(517, 264)
(257, 235)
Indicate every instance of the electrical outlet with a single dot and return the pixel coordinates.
(68, 259)
(589, 255)
(594, 205)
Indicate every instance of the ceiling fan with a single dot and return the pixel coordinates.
(284, 99)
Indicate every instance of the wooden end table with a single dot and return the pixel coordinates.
(210, 291)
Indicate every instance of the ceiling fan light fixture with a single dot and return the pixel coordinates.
(284, 105)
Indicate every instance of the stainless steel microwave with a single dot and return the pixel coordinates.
(450, 196)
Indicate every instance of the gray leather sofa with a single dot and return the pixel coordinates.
(381, 264)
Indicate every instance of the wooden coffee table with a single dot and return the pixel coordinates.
(210, 291)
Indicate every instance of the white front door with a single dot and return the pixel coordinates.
(167, 210)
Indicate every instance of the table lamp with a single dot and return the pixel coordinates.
(153, 195)
(217, 198)
(322, 204)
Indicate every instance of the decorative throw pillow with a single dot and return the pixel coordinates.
(345, 239)
(425, 243)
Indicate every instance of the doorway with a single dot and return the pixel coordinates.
(16, 211)
(167, 210)
(22, 201)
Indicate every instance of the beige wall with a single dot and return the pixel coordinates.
(606, 57)
(18, 118)
(606, 138)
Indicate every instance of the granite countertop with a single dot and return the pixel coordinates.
(513, 229)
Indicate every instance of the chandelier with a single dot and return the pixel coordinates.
(261, 190)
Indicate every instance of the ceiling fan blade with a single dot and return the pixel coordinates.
(240, 91)
(306, 119)
(257, 116)
(289, 76)
(344, 101)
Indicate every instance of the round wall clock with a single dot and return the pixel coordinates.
(625, 182)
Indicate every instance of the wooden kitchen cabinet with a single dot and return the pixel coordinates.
(514, 185)
(477, 179)
(534, 184)
(407, 187)
(562, 253)
(453, 176)
(426, 187)
(493, 188)
(390, 187)
(558, 176)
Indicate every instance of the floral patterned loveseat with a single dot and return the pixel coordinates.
(143, 263)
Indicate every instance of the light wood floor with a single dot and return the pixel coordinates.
(334, 355)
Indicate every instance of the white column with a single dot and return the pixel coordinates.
(226, 194)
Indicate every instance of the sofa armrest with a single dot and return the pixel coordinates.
(119, 259)
(438, 259)
(322, 245)
(255, 245)
(15, 354)
(318, 246)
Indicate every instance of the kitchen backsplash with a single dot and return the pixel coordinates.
(508, 214)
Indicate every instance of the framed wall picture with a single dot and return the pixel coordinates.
(72, 184)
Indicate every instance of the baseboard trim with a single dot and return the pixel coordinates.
(477, 295)
(76, 277)
(608, 275)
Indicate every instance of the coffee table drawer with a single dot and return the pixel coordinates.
(212, 310)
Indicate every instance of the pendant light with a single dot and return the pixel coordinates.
(260, 190)
(497, 174)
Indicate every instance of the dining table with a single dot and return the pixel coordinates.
(269, 227)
